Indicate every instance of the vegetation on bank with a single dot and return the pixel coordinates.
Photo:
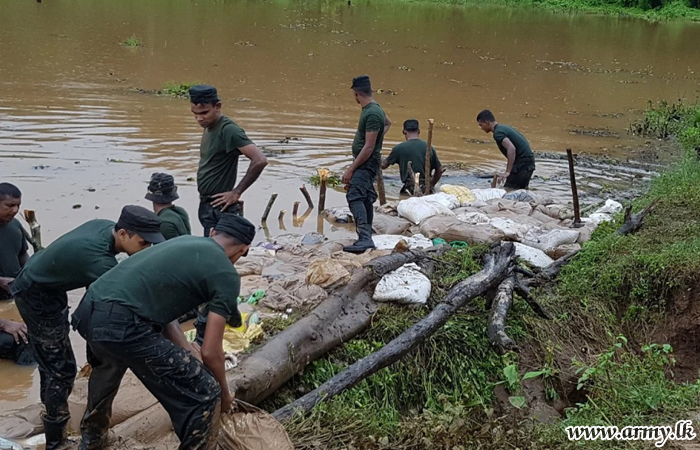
(595, 364)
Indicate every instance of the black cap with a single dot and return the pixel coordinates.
(162, 189)
(141, 221)
(411, 125)
(236, 226)
(203, 93)
(361, 82)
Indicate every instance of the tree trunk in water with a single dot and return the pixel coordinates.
(496, 268)
(336, 320)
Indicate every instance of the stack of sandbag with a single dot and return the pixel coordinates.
(417, 209)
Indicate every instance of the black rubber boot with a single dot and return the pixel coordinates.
(55, 435)
(364, 229)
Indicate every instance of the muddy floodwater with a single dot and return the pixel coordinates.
(80, 134)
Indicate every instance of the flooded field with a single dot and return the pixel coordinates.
(80, 138)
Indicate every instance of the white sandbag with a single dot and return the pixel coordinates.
(449, 201)
(488, 194)
(464, 195)
(405, 285)
(473, 218)
(533, 256)
(417, 209)
(558, 212)
(550, 240)
(385, 224)
(338, 214)
(389, 241)
(610, 207)
(513, 230)
(563, 250)
(522, 195)
(453, 229)
(598, 218)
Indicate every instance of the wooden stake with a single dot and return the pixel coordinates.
(381, 191)
(306, 196)
(494, 182)
(319, 224)
(280, 219)
(431, 122)
(574, 191)
(34, 229)
(303, 217)
(323, 176)
(270, 202)
(295, 210)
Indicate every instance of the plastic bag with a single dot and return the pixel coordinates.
(384, 224)
(533, 256)
(389, 241)
(251, 428)
(464, 195)
(488, 194)
(417, 209)
(405, 285)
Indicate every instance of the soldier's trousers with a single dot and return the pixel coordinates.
(45, 312)
(119, 340)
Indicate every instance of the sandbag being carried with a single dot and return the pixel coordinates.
(251, 428)
(384, 224)
(488, 194)
(453, 229)
(405, 285)
(464, 195)
(417, 209)
(533, 256)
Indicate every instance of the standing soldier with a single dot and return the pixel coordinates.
(516, 149)
(367, 154)
(223, 141)
(129, 319)
(75, 260)
(174, 220)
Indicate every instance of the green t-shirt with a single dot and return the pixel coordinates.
(218, 153)
(12, 246)
(170, 279)
(372, 118)
(74, 260)
(174, 222)
(524, 158)
(413, 151)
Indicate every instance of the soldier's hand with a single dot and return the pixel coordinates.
(502, 177)
(5, 283)
(196, 351)
(226, 400)
(347, 176)
(225, 199)
(17, 330)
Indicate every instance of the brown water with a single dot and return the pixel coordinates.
(74, 131)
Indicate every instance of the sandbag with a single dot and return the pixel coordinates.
(251, 428)
(550, 240)
(338, 214)
(563, 250)
(384, 224)
(488, 194)
(464, 195)
(131, 399)
(388, 208)
(522, 195)
(292, 292)
(389, 241)
(557, 212)
(513, 230)
(533, 256)
(10, 445)
(405, 285)
(336, 269)
(258, 258)
(598, 218)
(473, 218)
(23, 423)
(610, 207)
(453, 229)
(417, 209)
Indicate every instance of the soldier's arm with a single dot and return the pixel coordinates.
(387, 124)
(258, 161)
(510, 148)
(213, 355)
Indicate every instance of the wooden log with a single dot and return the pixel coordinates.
(34, 229)
(412, 176)
(270, 202)
(280, 219)
(634, 222)
(302, 219)
(574, 190)
(496, 268)
(500, 342)
(428, 178)
(524, 292)
(323, 177)
(306, 196)
(381, 190)
(339, 318)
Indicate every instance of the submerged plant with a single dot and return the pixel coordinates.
(177, 90)
(133, 42)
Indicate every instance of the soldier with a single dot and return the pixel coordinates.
(129, 319)
(174, 220)
(75, 260)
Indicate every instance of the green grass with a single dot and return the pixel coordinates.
(133, 42)
(176, 90)
(333, 180)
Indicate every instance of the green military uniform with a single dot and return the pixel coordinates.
(413, 151)
(121, 317)
(12, 247)
(219, 152)
(174, 222)
(524, 164)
